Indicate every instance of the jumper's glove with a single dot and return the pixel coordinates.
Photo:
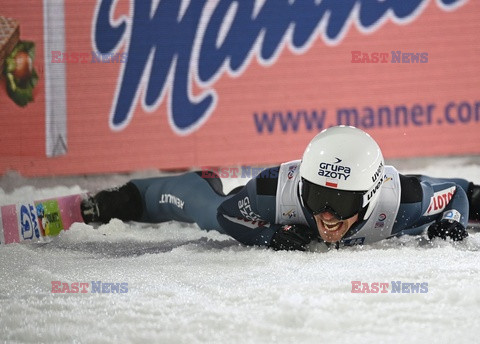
(447, 228)
(292, 237)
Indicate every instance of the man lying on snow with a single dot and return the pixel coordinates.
(340, 192)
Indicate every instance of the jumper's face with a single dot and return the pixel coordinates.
(330, 228)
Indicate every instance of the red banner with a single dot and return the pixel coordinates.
(110, 86)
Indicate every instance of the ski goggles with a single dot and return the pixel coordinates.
(341, 203)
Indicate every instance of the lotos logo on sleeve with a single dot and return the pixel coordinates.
(440, 200)
(174, 45)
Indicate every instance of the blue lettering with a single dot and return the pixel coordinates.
(34, 220)
(406, 287)
(96, 286)
(396, 56)
(265, 173)
(246, 172)
(115, 288)
(168, 50)
(274, 173)
(96, 57)
(115, 58)
(423, 57)
(415, 287)
(29, 222)
(26, 223)
(155, 49)
(107, 58)
(256, 171)
(396, 287)
(106, 287)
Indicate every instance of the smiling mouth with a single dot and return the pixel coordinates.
(331, 226)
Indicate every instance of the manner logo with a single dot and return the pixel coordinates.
(174, 47)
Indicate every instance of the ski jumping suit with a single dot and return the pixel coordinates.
(252, 214)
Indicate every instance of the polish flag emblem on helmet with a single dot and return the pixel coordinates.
(331, 183)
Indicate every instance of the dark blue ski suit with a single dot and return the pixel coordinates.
(253, 213)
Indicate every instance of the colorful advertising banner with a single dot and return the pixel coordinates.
(112, 86)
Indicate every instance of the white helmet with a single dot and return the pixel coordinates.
(342, 171)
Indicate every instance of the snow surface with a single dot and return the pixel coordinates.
(187, 286)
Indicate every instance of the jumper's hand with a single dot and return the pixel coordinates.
(292, 237)
(447, 228)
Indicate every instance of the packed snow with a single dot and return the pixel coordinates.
(182, 285)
